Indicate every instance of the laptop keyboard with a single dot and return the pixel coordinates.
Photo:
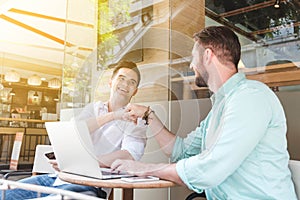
(106, 171)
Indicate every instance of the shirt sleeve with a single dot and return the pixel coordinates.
(189, 146)
(87, 112)
(238, 131)
(135, 139)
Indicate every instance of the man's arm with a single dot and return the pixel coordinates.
(163, 136)
(108, 159)
(168, 172)
(95, 123)
(93, 120)
(163, 171)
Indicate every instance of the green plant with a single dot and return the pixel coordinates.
(111, 13)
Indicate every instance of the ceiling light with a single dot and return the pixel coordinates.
(56, 98)
(12, 93)
(54, 83)
(276, 4)
(34, 80)
(12, 76)
(35, 96)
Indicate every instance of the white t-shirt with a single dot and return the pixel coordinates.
(114, 135)
(117, 134)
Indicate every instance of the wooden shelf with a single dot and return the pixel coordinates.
(273, 76)
(25, 120)
(277, 75)
(184, 78)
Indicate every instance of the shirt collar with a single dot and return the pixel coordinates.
(229, 85)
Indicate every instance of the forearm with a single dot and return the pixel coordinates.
(94, 124)
(166, 172)
(162, 170)
(163, 136)
(108, 159)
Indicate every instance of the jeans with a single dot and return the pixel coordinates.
(45, 180)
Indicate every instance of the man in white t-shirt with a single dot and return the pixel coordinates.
(113, 138)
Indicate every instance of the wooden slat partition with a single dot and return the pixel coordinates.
(276, 75)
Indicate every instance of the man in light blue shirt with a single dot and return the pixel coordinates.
(239, 151)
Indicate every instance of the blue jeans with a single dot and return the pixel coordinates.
(44, 180)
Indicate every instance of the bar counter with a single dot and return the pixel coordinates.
(25, 120)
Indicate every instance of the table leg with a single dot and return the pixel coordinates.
(111, 196)
(127, 194)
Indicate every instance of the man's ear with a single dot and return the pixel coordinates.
(207, 56)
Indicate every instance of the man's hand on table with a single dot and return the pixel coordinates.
(162, 170)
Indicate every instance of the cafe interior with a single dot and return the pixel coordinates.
(56, 56)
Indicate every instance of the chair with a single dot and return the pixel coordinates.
(40, 164)
(15, 152)
(294, 166)
(195, 195)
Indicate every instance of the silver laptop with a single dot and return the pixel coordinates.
(74, 151)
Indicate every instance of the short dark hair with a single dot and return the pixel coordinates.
(129, 65)
(222, 41)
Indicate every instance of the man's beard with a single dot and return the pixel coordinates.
(200, 82)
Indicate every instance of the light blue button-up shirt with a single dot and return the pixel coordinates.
(239, 151)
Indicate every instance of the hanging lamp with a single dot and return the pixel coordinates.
(54, 83)
(34, 80)
(276, 4)
(12, 93)
(35, 95)
(12, 76)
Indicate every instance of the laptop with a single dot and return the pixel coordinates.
(74, 150)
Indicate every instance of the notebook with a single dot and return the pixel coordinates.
(74, 150)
